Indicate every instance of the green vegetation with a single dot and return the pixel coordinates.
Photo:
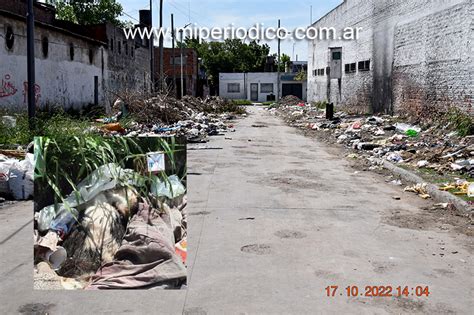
(242, 102)
(267, 103)
(301, 76)
(63, 161)
(320, 104)
(229, 56)
(52, 125)
(229, 107)
(460, 121)
(88, 12)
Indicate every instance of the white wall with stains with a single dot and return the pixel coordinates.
(60, 81)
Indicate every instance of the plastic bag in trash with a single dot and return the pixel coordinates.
(170, 188)
(104, 178)
(64, 220)
(6, 165)
(21, 178)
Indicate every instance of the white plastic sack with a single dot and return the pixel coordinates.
(20, 181)
(104, 178)
(5, 166)
(170, 188)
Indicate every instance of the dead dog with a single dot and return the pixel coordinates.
(99, 233)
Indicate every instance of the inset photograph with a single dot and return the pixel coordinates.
(109, 213)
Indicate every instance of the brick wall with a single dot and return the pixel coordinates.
(420, 53)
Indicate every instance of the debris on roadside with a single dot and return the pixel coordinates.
(195, 118)
(435, 151)
(419, 189)
(460, 187)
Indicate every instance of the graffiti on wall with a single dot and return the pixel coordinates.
(7, 88)
(37, 92)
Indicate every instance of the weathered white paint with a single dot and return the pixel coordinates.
(247, 79)
(60, 81)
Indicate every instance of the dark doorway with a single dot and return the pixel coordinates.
(295, 89)
(254, 92)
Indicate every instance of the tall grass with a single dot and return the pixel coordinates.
(64, 161)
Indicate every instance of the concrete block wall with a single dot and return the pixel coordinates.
(420, 52)
(320, 87)
(433, 65)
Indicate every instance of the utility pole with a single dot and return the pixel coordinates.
(278, 67)
(311, 15)
(161, 85)
(151, 45)
(181, 63)
(30, 47)
(182, 59)
(173, 54)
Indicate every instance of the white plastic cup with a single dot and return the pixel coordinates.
(56, 258)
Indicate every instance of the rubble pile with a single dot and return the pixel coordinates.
(290, 100)
(433, 149)
(192, 117)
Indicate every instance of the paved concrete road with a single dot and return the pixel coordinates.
(274, 219)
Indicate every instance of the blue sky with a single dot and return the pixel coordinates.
(243, 13)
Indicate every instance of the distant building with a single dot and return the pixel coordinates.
(193, 82)
(76, 65)
(410, 54)
(260, 86)
(298, 66)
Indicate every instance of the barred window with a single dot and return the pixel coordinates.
(266, 87)
(233, 87)
(350, 67)
(364, 65)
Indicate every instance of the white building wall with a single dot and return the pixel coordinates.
(420, 53)
(225, 78)
(59, 81)
(247, 79)
(259, 78)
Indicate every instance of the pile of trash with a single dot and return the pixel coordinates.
(192, 117)
(435, 150)
(291, 100)
(106, 235)
(16, 177)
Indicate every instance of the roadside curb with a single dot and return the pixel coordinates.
(433, 190)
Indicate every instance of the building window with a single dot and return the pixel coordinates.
(126, 48)
(233, 87)
(364, 65)
(112, 44)
(132, 51)
(9, 37)
(177, 60)
(91, 56)
(45, 46)
(119, 47)
(336, 55)
(350, 67)
(71, 51)
(266, 87)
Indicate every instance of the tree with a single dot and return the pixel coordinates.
(88, 12)
(229, 56)
(284, 60)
